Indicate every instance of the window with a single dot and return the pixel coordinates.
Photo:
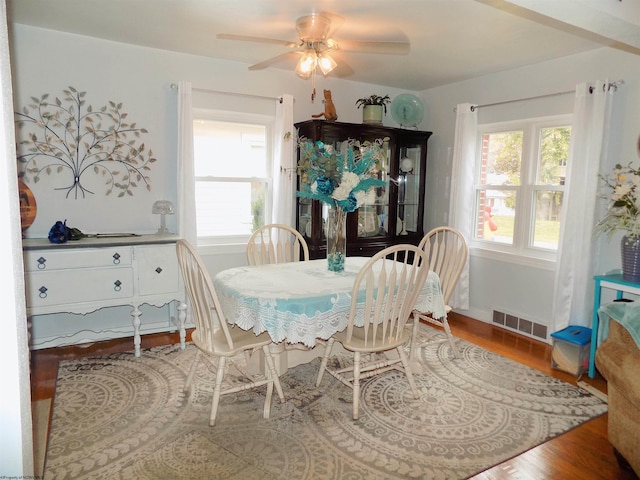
(520, 185)
(232, 170)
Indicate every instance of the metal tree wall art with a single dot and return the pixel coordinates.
(63, 137)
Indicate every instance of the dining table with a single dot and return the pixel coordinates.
(301, 302)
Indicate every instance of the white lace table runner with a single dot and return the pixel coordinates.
(299, 302)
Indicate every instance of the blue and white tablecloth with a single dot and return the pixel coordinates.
(299, 302)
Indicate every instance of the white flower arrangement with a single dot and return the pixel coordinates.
(623, 209)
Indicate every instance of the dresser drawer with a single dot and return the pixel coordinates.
(58, 287)
(41, 260)
(158, 270)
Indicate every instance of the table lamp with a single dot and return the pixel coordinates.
(162, 208)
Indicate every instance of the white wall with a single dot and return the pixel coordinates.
(526, 291)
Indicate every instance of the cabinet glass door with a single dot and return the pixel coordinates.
(373, 219)
(305, 210)
(409, 176)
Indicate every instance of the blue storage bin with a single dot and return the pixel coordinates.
(571, 349)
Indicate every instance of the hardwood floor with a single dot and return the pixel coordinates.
(582, 453)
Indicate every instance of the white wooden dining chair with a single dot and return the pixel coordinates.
(446, 251)
(214, 337)
(276, 243)
(384, 293)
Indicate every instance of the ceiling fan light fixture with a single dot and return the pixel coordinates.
(303, 75)
(307, 64)
(326, 63)
(314, 45)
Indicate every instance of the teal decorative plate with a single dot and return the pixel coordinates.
(407, 110)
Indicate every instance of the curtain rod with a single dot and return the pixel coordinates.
(610, 85)
(474, 107)
(206, 90)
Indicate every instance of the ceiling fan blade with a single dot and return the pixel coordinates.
(343, 70)
(386, 48)
(272, 60)
(247, 38)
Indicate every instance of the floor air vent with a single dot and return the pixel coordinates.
(520, 325)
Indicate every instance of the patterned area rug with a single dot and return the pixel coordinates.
(118, 416)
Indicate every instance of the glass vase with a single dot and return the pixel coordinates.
(336, 239)
(630, 247)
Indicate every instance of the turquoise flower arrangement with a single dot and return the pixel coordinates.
(344, 180)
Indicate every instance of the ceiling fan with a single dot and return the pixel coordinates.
(315, 45)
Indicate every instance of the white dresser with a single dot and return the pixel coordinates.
(89, 274)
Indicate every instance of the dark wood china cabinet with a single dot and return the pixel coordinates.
(398, 213)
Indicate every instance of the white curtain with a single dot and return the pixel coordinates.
(579, 248)
(186, 187)
(284, 164)
(462, 201)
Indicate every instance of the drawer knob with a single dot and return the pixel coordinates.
(158, 270)
(116, 258)
(42, 263)
(117, 285)
(43, 292)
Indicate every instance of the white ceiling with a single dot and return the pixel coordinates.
(451, 40)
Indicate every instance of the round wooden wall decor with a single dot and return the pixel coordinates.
(28, 207)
